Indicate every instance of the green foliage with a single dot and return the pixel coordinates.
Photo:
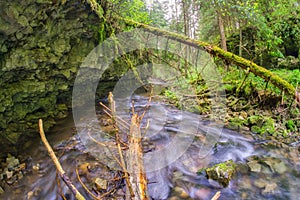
(171, 95)
(292, 76)
(133, 10)
(236, 123)
(157, 14)
(275, 25)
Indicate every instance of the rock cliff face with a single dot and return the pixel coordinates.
(42, 44)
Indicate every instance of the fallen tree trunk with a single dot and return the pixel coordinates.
(220, 53)
(213, 50)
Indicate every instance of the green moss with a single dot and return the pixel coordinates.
(254, 120)
(255, 129)
(236, 123)
(290, 125)
(262, 125)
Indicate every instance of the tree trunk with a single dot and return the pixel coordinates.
(241, 41)
(222, 31)
(185, 18)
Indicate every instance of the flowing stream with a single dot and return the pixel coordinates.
(177, 145)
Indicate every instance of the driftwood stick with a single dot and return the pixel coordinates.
(57, 164)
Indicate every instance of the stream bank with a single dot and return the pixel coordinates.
(264, 169)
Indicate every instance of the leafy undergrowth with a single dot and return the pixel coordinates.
(259, 106)
(251, 103)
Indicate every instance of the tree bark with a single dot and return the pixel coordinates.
(185, 18)
(222, 31)
(241, 41)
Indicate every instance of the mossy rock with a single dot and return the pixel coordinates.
(222, 172)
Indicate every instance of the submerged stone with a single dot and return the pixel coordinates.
(270, 188)
(275, 164)
(254, 166)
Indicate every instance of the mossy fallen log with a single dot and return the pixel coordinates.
(220, 53)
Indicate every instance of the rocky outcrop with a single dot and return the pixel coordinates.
(42, 44)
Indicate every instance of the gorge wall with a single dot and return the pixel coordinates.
(42, 44)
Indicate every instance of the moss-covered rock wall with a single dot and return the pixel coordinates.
(42, 44)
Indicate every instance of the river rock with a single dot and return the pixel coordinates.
(275, 164)
(180, 192)
(260, 183)
(222, 173)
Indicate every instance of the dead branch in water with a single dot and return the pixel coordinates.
(122, 161)
(135, 163)
(57, 164)
(216, 196)
(133, 168)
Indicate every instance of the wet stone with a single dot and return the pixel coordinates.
(270, 188)
(181, 192)
(36, 167)
(101, 184)
(254, 166)
(245, 182)
(275, 164)
(242, 168)
(260, 183)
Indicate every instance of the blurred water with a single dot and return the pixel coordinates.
(167, 167)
